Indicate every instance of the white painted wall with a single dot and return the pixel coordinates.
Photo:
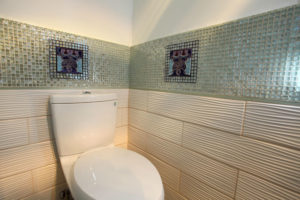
(108, 20)
(154, 19)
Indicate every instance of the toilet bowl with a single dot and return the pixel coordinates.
(94, 168)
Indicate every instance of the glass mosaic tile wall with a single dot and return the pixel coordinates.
(256, 57)
(24, 54)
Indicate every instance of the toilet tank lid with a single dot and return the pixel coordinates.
(81, 98)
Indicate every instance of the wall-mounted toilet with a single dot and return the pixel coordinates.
(84, 127)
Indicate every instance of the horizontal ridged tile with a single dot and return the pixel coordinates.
(16, 187)
(24, 158)
(52, 193)
(274, 163)
(122, 117)
(222, 114)
(122, 95)
(171, 194)
(213, 173)
(138, 99)
(273, 123)
(40, 129)
(121, 135)
(169, 174)
(29, 103)
(137, 137)
(13, 133)
(195, 190)
(163, 127)
(250, 187)
(164, 150)
(46, 177)
(124, 145)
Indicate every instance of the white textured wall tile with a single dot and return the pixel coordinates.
(119, 117)
(138, 99)
(16, 187)
(195, 190)
(171, 194)
(137, 137)
(52, 193)
(124, 145)
(250, 187)
(273, 123)
(46, 177)
(163, 127)
(170, 175)
(121, 135)
(222, 114)
(164, 150)
(213, 173)
(29, 103)
(13, 133)
(24, 158)
(40, 129)
(122, 117)
(274, 163)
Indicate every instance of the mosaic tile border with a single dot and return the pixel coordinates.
(255, 58)
(24, 59)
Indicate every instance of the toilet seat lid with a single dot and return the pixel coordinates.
(114, 173)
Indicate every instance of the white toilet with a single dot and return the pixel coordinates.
(84, 127)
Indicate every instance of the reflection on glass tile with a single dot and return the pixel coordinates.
(254, 57)
(24, 59)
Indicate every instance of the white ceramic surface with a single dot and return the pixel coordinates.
(114, 173)
(83, 122)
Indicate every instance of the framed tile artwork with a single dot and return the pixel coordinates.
(182, 62)
(68, 60)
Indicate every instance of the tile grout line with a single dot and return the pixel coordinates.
(212, 158)
(236, 184)
(243, 119)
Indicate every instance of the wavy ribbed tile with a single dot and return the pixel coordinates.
(119, 117)
(277, 164)
(163, 127)
(122, 95)
(273, 123)
(222, 114)
(171, 194)
(138, 99)
(121, 135)
(46, 177)
(170, 175)
(52, 193)
(137, 137)
(122, 117)
(124, 146)
(213, 173)
(195, 190)
(40, 129)
(24, 158)
(29, 103)
(250, 187)
(16, 187)
(13, 133)
(164, 150)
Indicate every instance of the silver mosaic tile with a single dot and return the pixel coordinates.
(256, 57)
(24, 54)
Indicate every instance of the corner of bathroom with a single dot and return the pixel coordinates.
(149, 99)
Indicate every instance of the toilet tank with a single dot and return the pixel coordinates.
(83, 122)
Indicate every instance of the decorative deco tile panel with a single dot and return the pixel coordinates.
(182, 62)
(24, 59)
(68, 60)
(256, 57)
